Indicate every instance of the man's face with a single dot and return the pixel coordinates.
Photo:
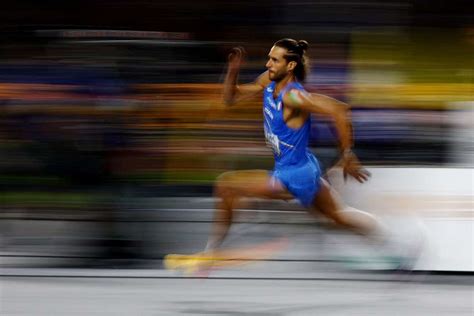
(277, 65)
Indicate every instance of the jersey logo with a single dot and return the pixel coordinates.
(271, 102)
(278, 106)
(268, 112)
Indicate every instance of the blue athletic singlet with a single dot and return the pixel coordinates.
(295, 166)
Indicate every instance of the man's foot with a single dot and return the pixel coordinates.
(188, 264)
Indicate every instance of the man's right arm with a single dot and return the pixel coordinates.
(234, 93)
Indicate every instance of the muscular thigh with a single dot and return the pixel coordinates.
(327, 200)
(253, 183)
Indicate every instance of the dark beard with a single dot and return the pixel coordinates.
(278, 78)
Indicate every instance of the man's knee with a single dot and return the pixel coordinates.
(225, 184)
(225, 177)
(339, 219)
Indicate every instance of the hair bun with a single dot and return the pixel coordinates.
(303, 45)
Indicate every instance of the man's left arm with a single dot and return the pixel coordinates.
(340, 113)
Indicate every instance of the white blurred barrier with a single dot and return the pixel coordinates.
(430, 204)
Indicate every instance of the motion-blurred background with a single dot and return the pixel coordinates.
(112, 120)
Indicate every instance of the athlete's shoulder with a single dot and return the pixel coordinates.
(295, 95)
(263, 80)
(297, 85)
(294, 85)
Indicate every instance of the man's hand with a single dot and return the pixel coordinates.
(351, 166)
(233, 92)
(236, 58)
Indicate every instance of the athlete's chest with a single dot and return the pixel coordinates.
(277, 114)
(273, 109)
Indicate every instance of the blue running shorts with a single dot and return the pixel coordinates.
(303, 181)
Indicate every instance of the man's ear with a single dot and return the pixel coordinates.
(291, 65)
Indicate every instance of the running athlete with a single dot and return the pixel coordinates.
(287, 109)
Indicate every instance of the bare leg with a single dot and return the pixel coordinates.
(229, 188)
(330, 204)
